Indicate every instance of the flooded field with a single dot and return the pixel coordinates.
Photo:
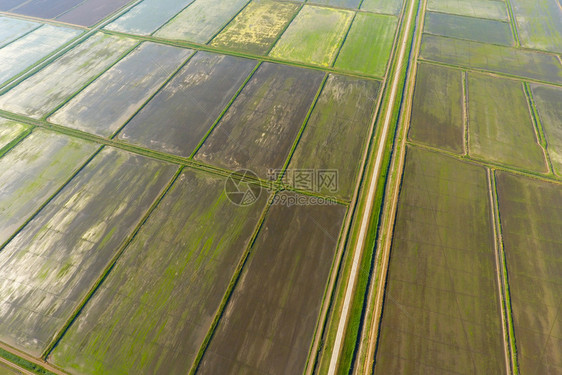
(179, 116)
(259, 128)
(280, 187)
(105, 105)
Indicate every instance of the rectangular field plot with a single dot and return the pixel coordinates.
(179, 116)
(477, 29)
(437, 113)
(158, 302)
(147, 16)
(314, 36)
(258, 130)
(548, 103)
(538, 23)
(368, 45)
(441, 311)
(500, 127)
(383, 6)
(257, 27)
(501, 59)
(531, 212)
(29, 49)
(351, 4)
(10, 132)
(105, 105)
(32, 171)
(44, 8)
(13, 28)
(44, 91)
(336, 132)
(475, 8)
(201, 20)
(90, 12)
(269, 322)
(51, 264)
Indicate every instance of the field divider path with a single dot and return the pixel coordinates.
(377, 287)
(51, 197)
(490, 72)
(2, 45)
(4, 150)
(7, 85)
(228, 22)
(371, 192)
(121, 249)
(342, 41)
(466, 134)
(510, 346)
(170, 19)
(39, 365)
(327, 316)
(16, 367)
(513, 23)
(90, 81)
(66, 48)
(174, 159)
(260, 58)
(505, 334)
(547, 177)
(223, 112)
(171, 76)
(537, 125)
(233, 282)
(285, 28)
(302, 129)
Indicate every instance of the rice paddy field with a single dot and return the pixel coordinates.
(280, 187)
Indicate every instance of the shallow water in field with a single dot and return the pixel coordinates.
(105, 105)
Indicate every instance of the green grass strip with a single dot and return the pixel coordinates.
(505, 278)
(29, 366)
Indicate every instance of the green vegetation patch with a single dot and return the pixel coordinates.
(337, 132)
(548, 101)
(500, 126)
(257, 27)
(538, 23)
(32, 171)
(437, 112)
(383, 6)
(269, 324)
(30, 48)
(441, 311)
(477, 29)
(201, 20)
(368, 45)
(180, 115)
(531, 213)
(475, 8)
(501, 59)
(157, 304)
(50, 266)
(260, 127)
(147, 16)
(105, 105)
(314, 36)
(9, 132)
(44, 91)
